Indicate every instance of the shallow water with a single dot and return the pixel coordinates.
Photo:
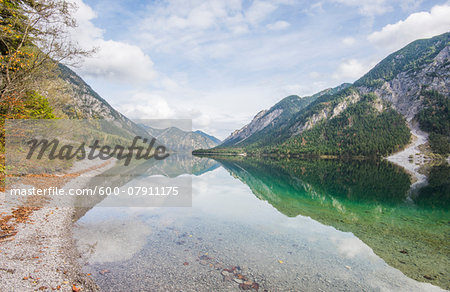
(286, 225)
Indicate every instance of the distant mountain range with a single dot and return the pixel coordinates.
(409, 88)
(82, 102)
(182, 141)
(212, 138)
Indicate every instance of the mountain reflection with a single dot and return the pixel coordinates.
(371, 199)
(171, 169)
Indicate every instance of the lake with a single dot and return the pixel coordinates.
(275, 225)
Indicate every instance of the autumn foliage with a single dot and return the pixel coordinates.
(34, 38)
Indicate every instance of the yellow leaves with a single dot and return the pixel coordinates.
(280, 261)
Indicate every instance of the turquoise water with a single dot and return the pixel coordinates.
(287, 225)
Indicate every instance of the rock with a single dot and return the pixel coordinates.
(245, 286)
(205, 257)
(228, 278)
(239, 281)
(259, 122)
(218, 266)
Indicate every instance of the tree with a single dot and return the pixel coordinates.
(34, 37)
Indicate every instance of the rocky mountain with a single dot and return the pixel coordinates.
(268, 123)
(182, 141)
(369, 117)
(212, 138)
(345, 194)
(85, 103)
(82, 102)
(402, 76)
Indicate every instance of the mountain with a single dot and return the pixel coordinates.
(212, 138)
(370, 117)
(269, 123)
(81, 101)
(182, 141)
(85, 103)
(349, 195)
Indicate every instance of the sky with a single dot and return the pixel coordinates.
(220, 62)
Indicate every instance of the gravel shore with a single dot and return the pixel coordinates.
(40, 253)
(403, 158)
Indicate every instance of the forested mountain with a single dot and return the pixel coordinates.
(369, 117)
(348, 195)
(270, 123)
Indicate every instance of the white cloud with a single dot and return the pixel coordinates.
(292, 89)
(193, 16)
(174, 25)
(144, 105)
(113, 60)
(409, 5)
(351, 247)
(112, 240)
(119, 62)
(305, 89)
(351, 69)
(258, 11)
(86, 30)
(279, 25)
(417, 25)
(348, 41)
(368, 7)
(314, 74)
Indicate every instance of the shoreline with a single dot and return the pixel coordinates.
(41, 254)
(411, 158)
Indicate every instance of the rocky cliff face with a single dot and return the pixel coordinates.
(400, 82)
(266, 123)
(85, 103)
(404, 91)
(259, 122)
(328, 112)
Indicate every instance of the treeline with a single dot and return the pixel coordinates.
(434, 118)
(34, 38)
(410, 58)
(364, 181)
(359, 130)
